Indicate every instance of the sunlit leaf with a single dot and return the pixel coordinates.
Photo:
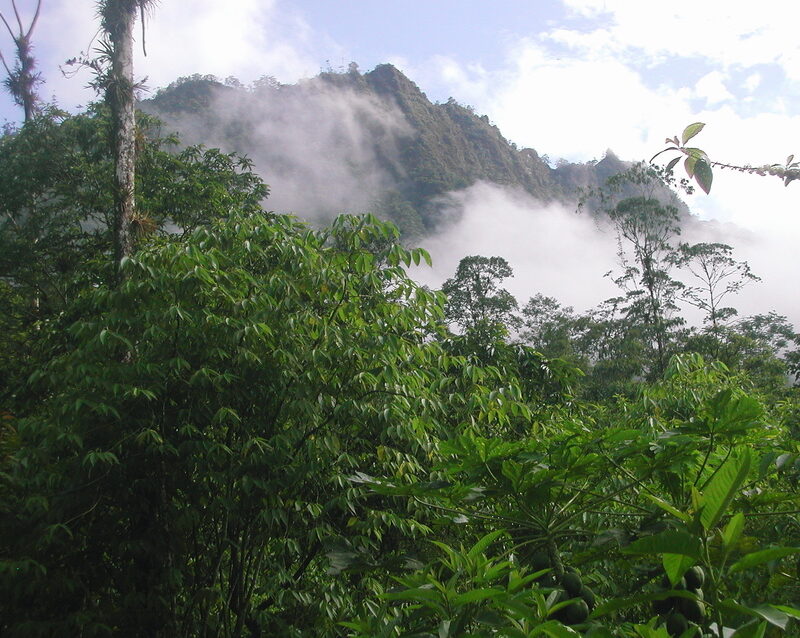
(690, 131)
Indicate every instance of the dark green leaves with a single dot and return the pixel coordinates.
(668, 542)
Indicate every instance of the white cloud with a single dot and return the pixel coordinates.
(718, 31)
(245, 38)
(576, 107)
(711, 88)
(551, 249)
(752, 82)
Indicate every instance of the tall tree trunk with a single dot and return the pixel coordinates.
(119, 18)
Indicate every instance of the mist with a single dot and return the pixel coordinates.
(327, 148)
(771, 253)
(323, 150)
(563, 254)
(552, 249)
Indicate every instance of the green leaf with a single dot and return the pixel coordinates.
(476, 595)
(722, 489)
(761, 557)
(766, 612)
(791, 611)
(479, 547)
(669, 542)
(733, 530)
(616, 604)
(555, 629)
(690, 131)
(668, 508)
(672, 163)
(703, 175)
(753, 629)
(675, 566)
(689, 164)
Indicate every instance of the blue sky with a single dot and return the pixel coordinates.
(570, 78)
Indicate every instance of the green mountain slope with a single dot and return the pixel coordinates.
(364, 142)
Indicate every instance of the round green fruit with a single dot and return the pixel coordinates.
(539, 560)
(574, 613)
(572, 583)
(588, 596)
(547, 580)
(695, 577)
(666, 584)
(694, 610)
(676, 624)
(663, 606)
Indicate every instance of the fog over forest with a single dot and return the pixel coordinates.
(324, 149)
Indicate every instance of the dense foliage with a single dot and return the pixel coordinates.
(264, 429)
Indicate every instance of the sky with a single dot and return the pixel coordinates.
(570, 78)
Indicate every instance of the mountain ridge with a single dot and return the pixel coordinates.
(377, 130)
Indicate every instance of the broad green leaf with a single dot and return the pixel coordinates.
(733, 530)
(690, 131)
(761, 557)
(753, 629)
(675, 566)
(669, 542)
(668, 508)
(723, 487)
(689, 164)
(791, 611)
(766, 612)
(703, 175)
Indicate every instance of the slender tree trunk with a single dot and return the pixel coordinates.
(119, 18)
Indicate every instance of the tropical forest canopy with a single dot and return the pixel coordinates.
(218, 420)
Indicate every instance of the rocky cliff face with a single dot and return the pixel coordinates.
(364, 143)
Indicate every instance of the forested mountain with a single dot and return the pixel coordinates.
(376, 137)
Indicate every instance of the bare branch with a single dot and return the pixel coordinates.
(19, 20)
(8, 26)
(35, 18)
(5, 66)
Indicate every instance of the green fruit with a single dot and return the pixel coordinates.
(539, 560)
(694, 610)
(548, 580)
(676, 624)
(588, 596)
(681, 584)
(695, 577)
(572, 583)
(699, 593)
(574, 613)
(663, 606)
